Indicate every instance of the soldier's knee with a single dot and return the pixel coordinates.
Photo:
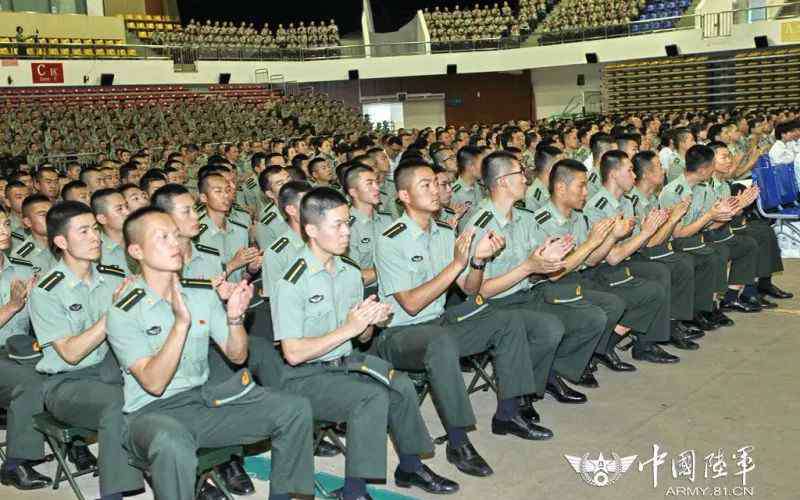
(403, 385)
(596, 319)
(550, 328)
(441, 349)
(173, 444)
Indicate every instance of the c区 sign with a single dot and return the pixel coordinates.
(47, 72)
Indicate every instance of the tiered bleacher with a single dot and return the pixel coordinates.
(143, 25)
(591, 16)
(657, 11)
(478, 23)
(67, 48)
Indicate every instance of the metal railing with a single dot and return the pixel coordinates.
(710, 24)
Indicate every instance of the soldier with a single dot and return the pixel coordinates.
(134, 197)
(111, 209)
(769, 256)
(35, 248)
(68, 313)
(467, 190)
(219, 231)
(417, 260)
(170, 409)
(675, 275)
(599, 143)
(93, 178)
(323, 367)
(644, 198)
(271, 223)
(538, 193)
(20, 384)
(15, 193)
(367, 222)
(252, 195)
(46, 182)
(320, 172)
(683, 140)
(150, 181)
(563, 330)
(284, 250)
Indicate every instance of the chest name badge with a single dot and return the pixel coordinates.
(75, 307)
(316, 298)
(154, 330)
(364, 240)
(416, 258)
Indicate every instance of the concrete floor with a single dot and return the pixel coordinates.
(735, 391)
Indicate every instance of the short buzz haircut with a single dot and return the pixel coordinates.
(495, 165)
(623, 139)
(14, 185)
(98, 200)
(58, 218)
(351, 174)
(257, 159)
(312, 165)
(600, 143)
(86, 171)
(610, 161)
(164, 196)
(544, 157)
(151, 176)
(126, 170)
(43, 169)
(202, 184)
(404, 173)
(263, 178)
(564, 171)
(717, 145)
(698, 156)
(133, 221)
(467, 155)
(316, 203)
(642, 161)
(33, 199)
(290, 193)
(681, 135)
(71, 186)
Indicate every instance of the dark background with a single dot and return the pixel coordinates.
(388, 15)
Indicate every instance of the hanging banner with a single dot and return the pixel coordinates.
(47, 72)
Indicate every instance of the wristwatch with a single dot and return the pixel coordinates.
(473, 265)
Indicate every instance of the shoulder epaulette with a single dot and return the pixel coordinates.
(443, 224)
(279, 245)
(395, 230)
(52, 280)
(388, 214)
(537, 194)
(199, 206)
(634, 199)
(543, 217)
(20, 262)
(593, 177)
(601, 203)
(17, 236)
(351, 220)
(203, 228)
(115, 270)
(523, 209)
(268, 218)
(237, 223)
(449, 210)
(239, 208)
(457, 188)
(586, 219)
(268, 206)
(679, 189)
(196, 283)
(206, 249)
(251, 183)
(483, 219)
(25, 249)
(294, 272)
(519, 204)
(130, 299)
(350, 261)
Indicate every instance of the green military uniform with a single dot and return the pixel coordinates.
(86, 394)
(674, 275)
(167, 430)
(205, 263)
(309, 301)
(593, 181)
(676, 168)
(364, 233)
(228, 241)
(692, 277)
(471, 196)
(563, 329)
(537, 195)
(433, 340)
(279, 256)
(42, 259)
(240, 215)
(20, 383)
(271, 225)
(252, 194)
(389, 201)
(114, 256)
(645, 304)
(18, 232)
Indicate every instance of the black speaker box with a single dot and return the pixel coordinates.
(107, 79)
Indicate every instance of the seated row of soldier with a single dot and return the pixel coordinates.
(114, 293)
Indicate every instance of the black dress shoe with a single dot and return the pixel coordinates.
(701, 322)
(775, 292)
(522, 428)
(326, 449)
(425, 479)
(81, 457)
(588, 380)
(24, 477)
(690, 332)
(236, 478)
(592, 367)
(527, 410)
(739, 306)
(719, 318)
(339, 495)
(563, 393)
(684, 344)
(766, 304)
(611, 361)
(654, 354)
(468, 461)
(209, 492)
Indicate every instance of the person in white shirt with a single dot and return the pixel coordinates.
(785, 149)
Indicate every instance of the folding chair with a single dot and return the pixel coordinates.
(322, 430)
(3, 428)
(482, 380)
(787, 185)
(769, 206)
(207, 461)
(60, 436)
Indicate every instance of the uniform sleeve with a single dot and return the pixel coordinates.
(393, 276)
(288, 311)
(126, 334)
(46, 316)
(218, 324)
(593, 213)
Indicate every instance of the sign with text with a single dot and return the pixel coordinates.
(47, 72)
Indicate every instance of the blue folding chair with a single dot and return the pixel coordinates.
(763, 162)
(787, 185)
(769, 206)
